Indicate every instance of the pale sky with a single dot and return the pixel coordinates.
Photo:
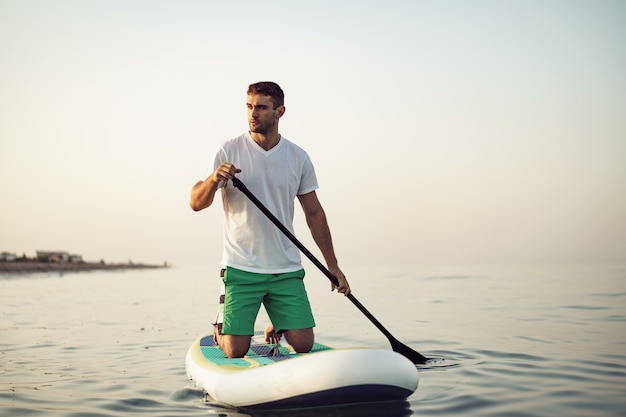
(441, 131)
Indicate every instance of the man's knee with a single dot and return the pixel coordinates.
(300, 340)
(234, 352)
(234, 346)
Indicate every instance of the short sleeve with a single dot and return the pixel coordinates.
(308, 179)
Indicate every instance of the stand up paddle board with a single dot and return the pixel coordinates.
(273, 376)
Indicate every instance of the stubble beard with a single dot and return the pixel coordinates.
(262, 127)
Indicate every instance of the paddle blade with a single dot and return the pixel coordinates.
(415, 357)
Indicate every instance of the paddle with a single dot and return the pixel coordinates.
(396, 345)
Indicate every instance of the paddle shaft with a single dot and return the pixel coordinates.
(414, 356)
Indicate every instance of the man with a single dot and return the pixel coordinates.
(260, 264)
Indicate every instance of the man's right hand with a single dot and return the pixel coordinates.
(225, 172)
(203, 192)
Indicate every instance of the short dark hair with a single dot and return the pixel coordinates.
(268, 88)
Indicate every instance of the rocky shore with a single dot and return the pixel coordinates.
(28, 267)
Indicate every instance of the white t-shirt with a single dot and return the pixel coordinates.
(251, 241)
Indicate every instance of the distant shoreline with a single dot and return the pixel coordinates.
(30, 267)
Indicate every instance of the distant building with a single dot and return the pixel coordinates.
(76, 259)
(7, 257)
(58, 257)
(52, 256)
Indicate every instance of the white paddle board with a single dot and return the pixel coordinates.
(280, 378)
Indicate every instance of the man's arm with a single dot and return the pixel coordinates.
(203, 192)
(316, 220)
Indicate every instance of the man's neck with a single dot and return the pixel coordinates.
(266, 141)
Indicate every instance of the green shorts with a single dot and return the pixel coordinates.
(283, 295)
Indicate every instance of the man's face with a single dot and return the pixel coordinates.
(262, 116)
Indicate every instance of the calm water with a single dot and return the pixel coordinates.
(514, 341)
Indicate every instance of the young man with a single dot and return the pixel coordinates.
(260, 264)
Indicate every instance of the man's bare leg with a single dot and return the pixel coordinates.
(234, 346)
(301, 340)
